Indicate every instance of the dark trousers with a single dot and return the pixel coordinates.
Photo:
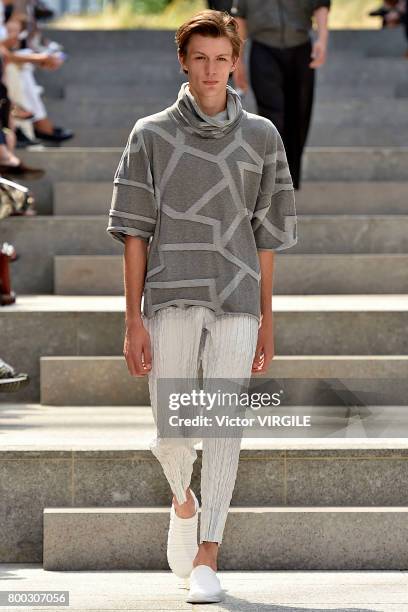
(4, 107)
(283, 85)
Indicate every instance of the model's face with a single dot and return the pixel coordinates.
(208, 61)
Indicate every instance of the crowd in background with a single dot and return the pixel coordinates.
(23, 116)
(23, 122)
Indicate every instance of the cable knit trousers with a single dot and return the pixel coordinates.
(226, 344)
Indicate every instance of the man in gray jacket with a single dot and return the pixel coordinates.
(282, 62)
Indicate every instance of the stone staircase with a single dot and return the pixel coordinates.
(72, 501)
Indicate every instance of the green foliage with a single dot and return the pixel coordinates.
(169, 14)
(146, 7)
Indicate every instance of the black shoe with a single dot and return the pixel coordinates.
(23, 141)
(57, 135)
(10, 380)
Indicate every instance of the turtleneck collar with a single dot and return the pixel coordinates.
(186, 111)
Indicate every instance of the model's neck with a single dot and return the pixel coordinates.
(209, 105)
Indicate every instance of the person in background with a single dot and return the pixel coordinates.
(10, 164)
(393, 13)
(220, 5)
(282, 63)
(20, 80)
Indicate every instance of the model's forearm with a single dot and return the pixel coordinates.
(135, 259)
(321, 15)
(266, 261)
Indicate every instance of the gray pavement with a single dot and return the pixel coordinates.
(275, 591)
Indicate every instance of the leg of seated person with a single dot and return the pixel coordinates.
(34, 102)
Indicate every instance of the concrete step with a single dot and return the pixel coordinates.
(348, 591)
(39, 239)
(319, 163)
(381, 80)
(100, 381)
(324, 91)
(370, 42)
(294, 274)
(33, 430)
(159, 67)
(160, 72)
(345, 197)
(338, 135)
(361, 111)
(386, 91)
(120, 111)
(320, 135)
(376, 72)
(314, 197)
(96, 137)
(391, 76)
(256, 538)
(99, 457)
(79, 198)
(334, 124)
(49, 325)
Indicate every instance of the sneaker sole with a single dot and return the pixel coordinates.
(204, 599)
(13, 384)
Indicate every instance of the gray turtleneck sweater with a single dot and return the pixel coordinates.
(206, 193)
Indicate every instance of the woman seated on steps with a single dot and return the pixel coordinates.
(20, 62)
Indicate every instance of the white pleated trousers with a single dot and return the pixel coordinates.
(226, 344)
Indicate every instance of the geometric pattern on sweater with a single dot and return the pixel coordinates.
(205, 206)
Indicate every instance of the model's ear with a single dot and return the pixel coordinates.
(181, 62)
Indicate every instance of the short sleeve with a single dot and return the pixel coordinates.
(274, 221)
(133, 209)
(239, 8)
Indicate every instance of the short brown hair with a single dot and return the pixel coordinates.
(209, 23)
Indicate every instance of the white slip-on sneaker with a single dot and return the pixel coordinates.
(182, 544)
(205, 586)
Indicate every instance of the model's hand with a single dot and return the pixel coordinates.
(318, 54)
(137, 350)
(265, 349)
